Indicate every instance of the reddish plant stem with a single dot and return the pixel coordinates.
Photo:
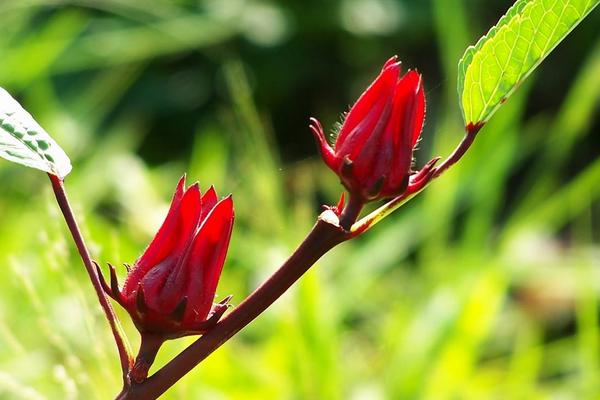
(461, 149)
(149, 346)
(351, 211)
(324, 236)
(65, 207)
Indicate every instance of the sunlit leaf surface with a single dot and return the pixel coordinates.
(492, 69)
(24, 141)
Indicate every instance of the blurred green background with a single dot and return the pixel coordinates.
(486, 286)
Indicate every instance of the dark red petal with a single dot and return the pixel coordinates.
(373, 160)
(392, 60)
(162, 288)
(373, 165)
(369, 104)
(371, 126)
(205, 261)
(209, 200)
(409, 104)
(419, 112)
(172, 238)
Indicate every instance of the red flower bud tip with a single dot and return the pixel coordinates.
(169, 291)
(372, 154)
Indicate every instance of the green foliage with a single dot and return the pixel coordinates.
(24, 141)
(491, 70)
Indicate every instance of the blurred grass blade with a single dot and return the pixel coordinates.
(25, 142)
(560, 208)
(492, 69)
(141, 43)
(27, 57)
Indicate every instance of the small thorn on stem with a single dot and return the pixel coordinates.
(103, 283)
(114, 281)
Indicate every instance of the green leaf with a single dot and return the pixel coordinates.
(491, 70)
(25, 142)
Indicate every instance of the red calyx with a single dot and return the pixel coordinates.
(372, 154)
(169, 291)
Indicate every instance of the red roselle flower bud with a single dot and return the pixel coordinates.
(170, 289)
(372, 154)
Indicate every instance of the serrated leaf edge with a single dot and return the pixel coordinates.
(515, 11)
